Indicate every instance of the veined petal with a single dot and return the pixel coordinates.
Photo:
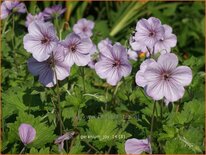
(62, 70)
(140, 79)
(153, 72)
(21, 7)
(36, 67)
(182, 75)
(136, 146)
(125, 69)
(102, 68)
(168, 61)
(113, 76)
(27, 133)
(173, 91)
(47, 78)
(155, 89)
(4, 11)
(81, 59)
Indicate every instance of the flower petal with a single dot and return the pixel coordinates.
(173, 91)
(102, 67)
(113, 76)
(36, 67)
(27, 133)
(168, 61)
(140, 79)
(62, 70)
(136, 146)
(155, 90)
(125, 69)
(4, 11)
(21, 7)
(182, 75)
(47, 78)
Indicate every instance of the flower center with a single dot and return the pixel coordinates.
(51, 62)
(166, 76)
(84, 29)
(73, 48)
(116, 63)
(45, 40)
(152, 34)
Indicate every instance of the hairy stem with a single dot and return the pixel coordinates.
(58, 98)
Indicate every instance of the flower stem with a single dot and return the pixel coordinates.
(23, 150)
(115, 92)
(152, 122)
(61, 125)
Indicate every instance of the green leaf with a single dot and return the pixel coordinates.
(104, 127)
(77, 148)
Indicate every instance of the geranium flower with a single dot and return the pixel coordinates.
(137, 146)
(83, 28)
(27, 133)
(54, 11)
(60, 140)
(165, 80)
(41, 40)
(47, 69)
(77, 50)
(168, 41)
(113, 64)
(8, 6)
(30, 18)
(148, 32)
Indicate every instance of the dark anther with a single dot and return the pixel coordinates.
(45, 40)
(73, 48)
(116, 63)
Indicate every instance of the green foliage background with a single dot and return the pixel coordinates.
(25, 100)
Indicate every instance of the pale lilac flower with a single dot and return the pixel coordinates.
(133, 55)
(54, 66)
(30, 18)
(27, 133)
(84, 28)
(165, 80)
(8, 6)
(41, 40)
(113, 64)
(77, 50)
(54, 11)
(139, 78)
(148, 32)
(60, 140)
(168, 41)
(137, 146)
